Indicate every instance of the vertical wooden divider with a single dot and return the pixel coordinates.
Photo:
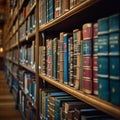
(37, 58)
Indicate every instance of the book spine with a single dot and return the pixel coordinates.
(65, 6)
(61, 56)
(66, 65)
(54, 58)
(114, 58)
(77, 52)
(95, 59)
(103, 59)
(87, 58)
(58, 5)
(71, 57)
(51, 9)
(49, 57)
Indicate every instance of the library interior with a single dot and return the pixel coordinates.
(59, 60)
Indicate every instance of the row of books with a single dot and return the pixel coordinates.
(25, 10)
(50, 9)
(88, 59)
(28, 26)
(25, 107)
(58, 105)
(27, 54)
(12, 55)
(28, 83)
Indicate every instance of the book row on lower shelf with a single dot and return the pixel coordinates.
(86, 59)
(27, 110)
(58, 105)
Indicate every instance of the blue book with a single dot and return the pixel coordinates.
(66, 58)
(47, 11)
(114, 22)
(114, 67)
(103, 66)
(103, 89)
(115, 91)
(114, 43)
(51, 9)
(87, 47)
(103, 44)
(103, 25)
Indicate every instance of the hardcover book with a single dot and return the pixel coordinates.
(114, 22)
(61, 56)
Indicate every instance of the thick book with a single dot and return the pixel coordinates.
(49, 57)
(66, 58)
(54, 58)
(71, 61)
(61, 58)
(77, 36)
(95, 58)
(42, 12)
(114, 22)
(58, 7)
(65, 6)
(42, 59)
(103, 59)
(87, 54)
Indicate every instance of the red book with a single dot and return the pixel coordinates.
(87, 58)
(87, 85)
(87, 31)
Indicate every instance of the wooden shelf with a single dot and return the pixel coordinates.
(90, 99)
(27, 37)
(27, 67)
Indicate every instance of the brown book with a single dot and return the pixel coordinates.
(61, 52)
(77, 52)
(87, 66)
(65, 6)
(42, 59)
(69, 106)
(58, 5)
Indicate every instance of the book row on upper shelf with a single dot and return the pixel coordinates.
(86, 59)
(50, 9)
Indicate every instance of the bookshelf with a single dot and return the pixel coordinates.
(23, 38)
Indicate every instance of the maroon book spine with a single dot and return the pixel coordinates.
(87, 77)
(95, 59)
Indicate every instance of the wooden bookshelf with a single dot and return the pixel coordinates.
(87, 11)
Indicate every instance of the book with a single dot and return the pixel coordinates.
(61, 58)
(58, 7)
(66, 58)
(49, 57)
(114, 59)
(77, 36)
(103, 58)
(71, 61)
(95, 58)
(65, 6)
(54, 58)
(87, 57)
(42, 60)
